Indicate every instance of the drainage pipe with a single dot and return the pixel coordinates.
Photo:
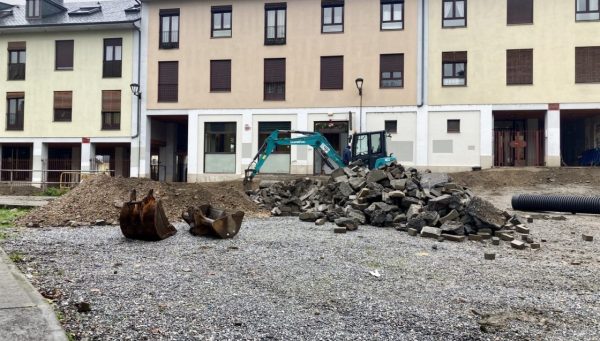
(556, 203)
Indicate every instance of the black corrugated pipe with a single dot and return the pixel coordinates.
(556, 203)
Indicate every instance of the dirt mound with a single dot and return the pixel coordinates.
(19, 190)
(525, 177)
(100, 197)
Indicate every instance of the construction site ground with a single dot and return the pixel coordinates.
(283, 279)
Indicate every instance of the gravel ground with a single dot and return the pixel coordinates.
(286, 280)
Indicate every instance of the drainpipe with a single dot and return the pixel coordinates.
(422, 48)
(139, 98)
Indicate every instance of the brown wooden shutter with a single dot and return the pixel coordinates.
(64, 54)
(519, 12)
(63, 99)
(220, 75)
(519, 66)
(332, 2)
(276, 5)
(587, 64)
(454, 57)
(332, 73)
(392, 62)
(169, 11)
(111, 101)
(10, 95)
(168, 81)
(16, 45)
(275, 70)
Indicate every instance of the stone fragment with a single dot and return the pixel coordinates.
(495, 241)
(320, 221)
(413, 211)
(453, 227)
(349, 172)
(376, 175)
(484, 235)
(489, 256)
(357, 183)
(412, 232)
(522, 229)
(450, 216)
(349, 223)
(439, 202)
(475, 237)
(310, 216)
(357, 216)
(535, 246)
(99, 222)
(83, 307)
(431, 232)
(431, 180)
(345, 189)
(339, 230)
(396, 194)
(517, 244)
(453, 238)
(399, 184)
(407, 201)
(588, 238)
(507, 237)
(400, 218)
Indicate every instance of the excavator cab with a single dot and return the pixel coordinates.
(371, 149)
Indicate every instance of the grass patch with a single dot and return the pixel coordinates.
(54, 192)
(16, 257)
(8, 216)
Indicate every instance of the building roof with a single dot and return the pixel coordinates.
(71, 13)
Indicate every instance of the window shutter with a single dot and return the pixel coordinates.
(277, 5)
(219, 9)
(332, 73)
(63, 99)
(275, 70)
(170, 11)
(64, 54)
(519, 12)
(454, 57)
(332, 2)
(392, 62)
(519, 66)
(168, 81)
(111, 101)
(10, 95)
(587, 64)
(16, 45)
(220, 75)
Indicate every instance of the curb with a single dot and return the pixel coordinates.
(55, 330)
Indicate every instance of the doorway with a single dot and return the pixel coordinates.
(169, 148)
(580, 137)
(519, 139)
(336, 132)
(16, 163)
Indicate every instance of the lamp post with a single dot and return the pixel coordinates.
(359, 86)
(135, 89)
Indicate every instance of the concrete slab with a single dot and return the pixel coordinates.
(24, 314)
(24, 201)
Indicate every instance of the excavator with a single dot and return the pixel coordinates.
(368, 147)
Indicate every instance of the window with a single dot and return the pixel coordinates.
(391, 70)
(220, 75)
(169, 28)
(274, 79)
(275, 23)
(454, 13)
(454, 68)
(391, 127)
(392, 14)
(33, 9)
(15, 107)
(519, 67)
(453, 126)
(519, 12)
(16, 60)
(111, 109)
(332, 16)
(113, 56)
(266, 128)
(220, 137)
(64, 55)
(168, 81)
(587, 10)
(332, 73)
(63, 106)
(587, 64)
(86, 10)
(221, 21)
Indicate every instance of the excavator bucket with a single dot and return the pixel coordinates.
(209, 221)
(146, 219)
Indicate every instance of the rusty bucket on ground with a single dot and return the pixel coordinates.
(207, 220)
(145, 219)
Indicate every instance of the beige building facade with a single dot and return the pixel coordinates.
(66, 89)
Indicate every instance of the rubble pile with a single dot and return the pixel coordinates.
(428, 204)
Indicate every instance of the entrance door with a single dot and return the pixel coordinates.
(518, 143)
(16, 163)
(336, 132)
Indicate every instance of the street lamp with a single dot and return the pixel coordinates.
(135, 88)
(359, 86)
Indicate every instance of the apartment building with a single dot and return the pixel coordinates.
(221, 75)
(512, 82)
(67, 72)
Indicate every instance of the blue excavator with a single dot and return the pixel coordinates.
(368, 147)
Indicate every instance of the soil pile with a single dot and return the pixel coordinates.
(100, 198)
(526, 177)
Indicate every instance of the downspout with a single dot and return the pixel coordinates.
(422, 48)
(139, 97)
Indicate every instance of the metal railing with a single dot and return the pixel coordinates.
(39, 178)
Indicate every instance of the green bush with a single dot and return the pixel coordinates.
(54, 192)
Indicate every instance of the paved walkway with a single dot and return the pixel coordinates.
(11, 201)
(24, 313)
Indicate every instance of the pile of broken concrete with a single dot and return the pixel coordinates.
(420, 203)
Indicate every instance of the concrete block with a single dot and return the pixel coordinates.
(517, 244)
(495, 241)
(431, 232)
(489, 256)
(339, 230)
(588, 238)
(535, 246)
(453, 238)
(522, 229)
(507, 237)
(475, 237)
(412, 232)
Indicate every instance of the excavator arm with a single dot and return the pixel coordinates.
(312, 139)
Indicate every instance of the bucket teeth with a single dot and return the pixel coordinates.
(146, 219)
(206, 220)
